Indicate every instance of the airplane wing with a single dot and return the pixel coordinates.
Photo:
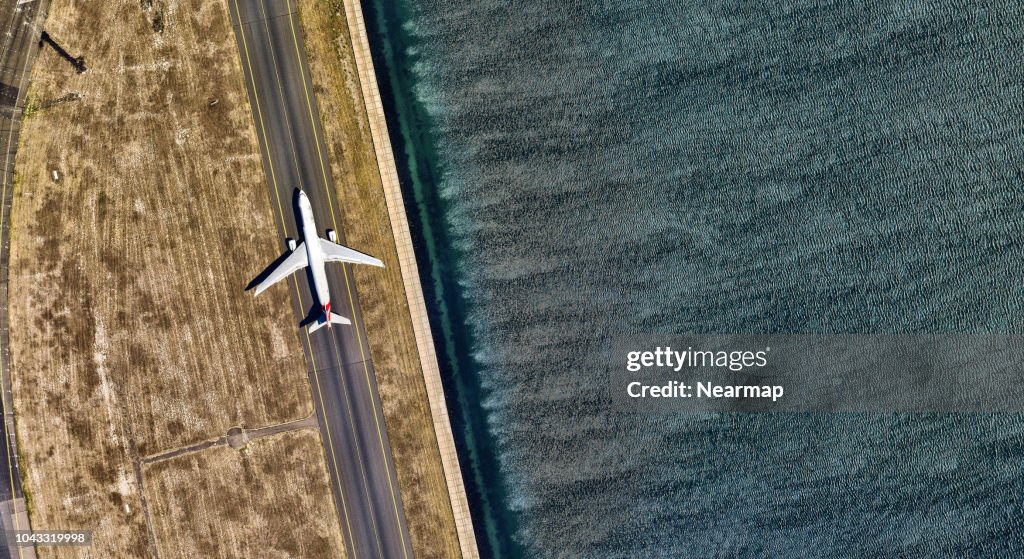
(337, 253)
(295, 261)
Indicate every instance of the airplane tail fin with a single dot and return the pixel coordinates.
(325, 319)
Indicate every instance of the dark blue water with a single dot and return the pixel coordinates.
(579, 171)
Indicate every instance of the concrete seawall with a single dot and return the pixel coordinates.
(411, 279)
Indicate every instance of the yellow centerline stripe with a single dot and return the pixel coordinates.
(280, 92)
(376, 420)
(295, 160)
(295, 283)
(312, 121)
(359, 453)
(263, 132)
(355, 323)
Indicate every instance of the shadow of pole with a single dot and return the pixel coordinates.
(78, 63)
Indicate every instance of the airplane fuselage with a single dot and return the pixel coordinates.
(314, 253)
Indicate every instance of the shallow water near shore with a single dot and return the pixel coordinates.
(579, 172)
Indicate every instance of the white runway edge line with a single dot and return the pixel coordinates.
(411, 279)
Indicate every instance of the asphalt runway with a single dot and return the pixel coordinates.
(20, 22)
(338, 360)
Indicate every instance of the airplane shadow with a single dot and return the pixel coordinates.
(312, 316)
(267, 271)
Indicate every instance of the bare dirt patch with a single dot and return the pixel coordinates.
(382, 297)
(130, 331)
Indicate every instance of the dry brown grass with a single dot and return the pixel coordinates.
(130, 332)
(382, 294)
(260, 501)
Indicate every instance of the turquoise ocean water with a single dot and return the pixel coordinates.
(580, 171)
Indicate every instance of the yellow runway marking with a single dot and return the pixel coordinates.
(295, 283)
(312, 121)
(359, 338)
(359, 453)
(280, 91)
(352, 427)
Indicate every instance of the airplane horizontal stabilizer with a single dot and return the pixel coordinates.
(325, 319)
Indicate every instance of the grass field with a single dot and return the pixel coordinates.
(217, 498)
(382, 295)
(140, 214)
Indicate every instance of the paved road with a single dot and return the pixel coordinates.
(20, 22)
(344, 387)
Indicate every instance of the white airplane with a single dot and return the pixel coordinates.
(313, 252)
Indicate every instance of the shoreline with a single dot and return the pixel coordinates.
(394, 50)
(410, 276)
